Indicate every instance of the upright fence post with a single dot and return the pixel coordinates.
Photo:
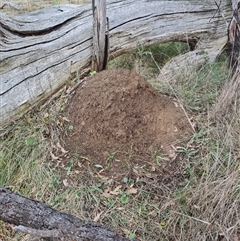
(100, 35)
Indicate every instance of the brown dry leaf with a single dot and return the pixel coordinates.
(104, 178)
(126, 231)
(65, 183)
(132, 190)
(120, 208)
(61, 148)
(136, 172)
(116, 190)
(106, 193)
(197, 207)
(53, 156)
(149, 175)
(98, 216)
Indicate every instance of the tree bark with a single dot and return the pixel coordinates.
(38, 219)
(39, 51)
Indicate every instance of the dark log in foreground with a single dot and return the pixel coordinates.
(38, 219)
(39, 51)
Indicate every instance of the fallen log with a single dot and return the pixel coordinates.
(40, 220)
(39, 51)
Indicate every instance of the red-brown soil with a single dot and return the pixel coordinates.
(122, 124)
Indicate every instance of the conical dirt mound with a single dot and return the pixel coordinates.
(121, 122)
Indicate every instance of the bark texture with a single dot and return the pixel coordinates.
(234, 39)
(38, 219)
(100, 37)
(39, 51)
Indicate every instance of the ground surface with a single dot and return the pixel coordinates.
(120, 123)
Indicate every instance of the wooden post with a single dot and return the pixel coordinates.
(100, 35)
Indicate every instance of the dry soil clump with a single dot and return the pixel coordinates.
(122, 124)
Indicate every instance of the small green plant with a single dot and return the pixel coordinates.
(163, 223)
(68, 169)
(125, 180)
(30, 141)
(129, 181)
(70, 127)
(111, 155)
(129, 153)
(93, 73)
(159, 157)
(57, 2)
(131, 235)
(142, 208)
(189, 152)
(55, 182)
(124, 199)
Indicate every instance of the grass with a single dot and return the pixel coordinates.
(141, 62)
(201, 204)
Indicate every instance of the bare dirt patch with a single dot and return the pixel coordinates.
(121, 125)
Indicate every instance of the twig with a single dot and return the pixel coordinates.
(187, 216)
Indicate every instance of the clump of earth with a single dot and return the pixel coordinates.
(120, 124)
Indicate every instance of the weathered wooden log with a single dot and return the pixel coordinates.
(40, 50)
(38, 219)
